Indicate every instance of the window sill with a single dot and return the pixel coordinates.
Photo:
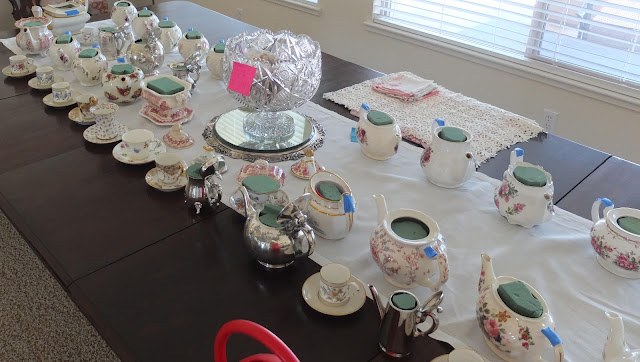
(309, 8)
(555, 76)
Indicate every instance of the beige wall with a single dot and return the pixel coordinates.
(6, 19)
(341, 32)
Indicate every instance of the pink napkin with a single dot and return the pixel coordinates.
(406, 87)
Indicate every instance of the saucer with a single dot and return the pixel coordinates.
(153, 181)
(7, 71)
(77, 116)
(33, 83)
(48, 100)
(89, 134)
(180, 115)
(120, 155)
(310, 295)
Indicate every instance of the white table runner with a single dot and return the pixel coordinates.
(556, 258)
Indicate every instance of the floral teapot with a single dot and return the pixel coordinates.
(447, 160)
(378, 134)
(88, 69)
(615, 350)
(123, 12)
(34, 36)
(191, 42)
(123, 83)
(278, 246)
(141, 20)
(523, 204)
(63, 51)
(615, 246)
(408, 248)
(170, 35)
(512, 336)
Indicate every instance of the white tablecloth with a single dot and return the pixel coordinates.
(556, 258)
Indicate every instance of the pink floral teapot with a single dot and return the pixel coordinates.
(511, 336)
(34, 36)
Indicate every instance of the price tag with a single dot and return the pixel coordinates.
(241, 78)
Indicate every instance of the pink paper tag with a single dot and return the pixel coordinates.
(241, 78)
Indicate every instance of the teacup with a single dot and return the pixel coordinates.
(61, 92)
(85, 102)
(19, 64)
(335, 285)
(139, 142)
(44, 75)
(170, 166)
(105, 117)
(264, 189)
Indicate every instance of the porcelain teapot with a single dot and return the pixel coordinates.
(400, 319)
(34, 36)
(62, 55)
(407, 258)
(379, 142)
(123, 12)
(138, 23)
(617, 249)
(510, 335)
(277, 247)
(187, 46)
(201, 191)
(331, 219)
(170, 35)
(523, 204)
(446, 163)
(123, 88)
(89, 71)
(147, 53)
(615, 349)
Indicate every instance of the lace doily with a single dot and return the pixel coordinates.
(493, 129)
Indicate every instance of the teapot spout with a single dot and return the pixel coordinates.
(615, 345)
(376, 299)
(381, 205)
(248, 207)
(486, 273)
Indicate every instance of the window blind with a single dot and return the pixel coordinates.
(597, 37)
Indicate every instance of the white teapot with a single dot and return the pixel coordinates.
(378, 134)
(34, 36)
(408, 248)
(511, 336)
(522, 204)
(63, 53)
(123, 82)
(138, 24)
(615, 349)
(617, 249)
(123, 12)
(170, 35)
(330, 218)
(88, 70)
(448, 162)
(215, 58)
(191, 42)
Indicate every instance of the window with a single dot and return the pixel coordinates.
(600, 38)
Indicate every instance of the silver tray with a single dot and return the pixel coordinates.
(225, 134)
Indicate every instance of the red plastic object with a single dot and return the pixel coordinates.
(281, 353)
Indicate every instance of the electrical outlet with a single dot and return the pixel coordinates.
(240, 14)
(549, 120)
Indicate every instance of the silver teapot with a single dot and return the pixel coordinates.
(400, 319)
(147, 53)
(114, 42)
(278, 247)
(201, 190)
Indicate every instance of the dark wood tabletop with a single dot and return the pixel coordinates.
(158, 281)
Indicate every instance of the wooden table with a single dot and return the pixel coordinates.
(158, 281)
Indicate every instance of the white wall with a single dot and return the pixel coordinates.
(341, 32)
(6, 19)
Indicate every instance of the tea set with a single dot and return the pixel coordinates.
(334, 291)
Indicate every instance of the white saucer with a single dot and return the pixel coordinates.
(77, 116)
(89, 134)
(33, 82)
(310, 295)
(48, 100)
(120, 155)
(152, 180)
(7, 71)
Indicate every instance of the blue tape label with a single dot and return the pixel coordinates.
(354, 139)
(440, 122)
(519, 152)
(430, 252)
(366, 107)
(347, 201)
(606, 201)
(551, 336)
(72, 12)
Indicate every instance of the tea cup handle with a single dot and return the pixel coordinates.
(29, 61)
(354, 289)
(155, 143)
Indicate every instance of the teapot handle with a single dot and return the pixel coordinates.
(213, 190)
(440, 254)
(558, 350)
(595, 209)
(434, 325)
(438, 122)
(517, 155)
(311, 241)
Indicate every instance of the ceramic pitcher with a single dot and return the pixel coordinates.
(617, 249)
(446, 163)
(521, 204)
(379, 142)
(408, 263)
(34, 36)
(330, 219)
(510, 335)
(62, 55)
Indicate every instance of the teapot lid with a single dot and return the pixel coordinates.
(630, 224)
(530, 176)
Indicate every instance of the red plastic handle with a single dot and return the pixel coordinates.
(281, 353)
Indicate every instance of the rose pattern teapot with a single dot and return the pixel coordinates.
(123, 82)
(63, 51)
(34, 36)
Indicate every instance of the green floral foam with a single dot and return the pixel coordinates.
(518, 297)
(260, 184)
(379, 118)
(630, 224)
(452, 134)
(409, 228)
(530, 176)
(269, 214)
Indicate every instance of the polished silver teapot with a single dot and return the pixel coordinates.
(147, 53)
(277, 247)
(201, 190)
(114, 42)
